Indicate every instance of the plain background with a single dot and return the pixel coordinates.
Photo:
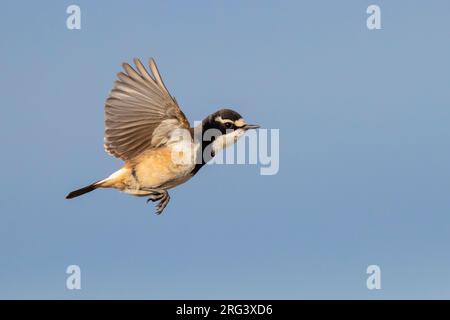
(364, 149)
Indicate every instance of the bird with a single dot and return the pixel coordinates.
(143, 126)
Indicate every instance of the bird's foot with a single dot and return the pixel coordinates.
(162, 203)
(163, 197)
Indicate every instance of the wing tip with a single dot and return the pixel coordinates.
(137, 61)
(125, 65)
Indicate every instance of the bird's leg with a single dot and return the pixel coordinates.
(160, 195)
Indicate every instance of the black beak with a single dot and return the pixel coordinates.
(250, 126)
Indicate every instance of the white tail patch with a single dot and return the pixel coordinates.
(112, 178)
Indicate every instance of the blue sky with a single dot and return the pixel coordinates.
(364, 151)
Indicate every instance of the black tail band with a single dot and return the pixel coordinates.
(81, 191)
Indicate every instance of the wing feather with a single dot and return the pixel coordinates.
(138, 106)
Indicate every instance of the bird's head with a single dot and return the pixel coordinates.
(227, 127)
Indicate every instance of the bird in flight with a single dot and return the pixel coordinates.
(145, 127)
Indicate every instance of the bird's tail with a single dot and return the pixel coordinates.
(80, 192)
(113, 181)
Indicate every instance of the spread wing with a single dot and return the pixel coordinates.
(140, 113)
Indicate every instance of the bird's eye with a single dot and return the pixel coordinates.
(228, 125)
